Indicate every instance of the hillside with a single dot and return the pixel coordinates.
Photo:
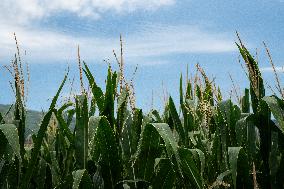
(33, 117)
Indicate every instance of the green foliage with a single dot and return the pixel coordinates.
(81, 138)
(106, 154)
(97, 141)
(11, 135)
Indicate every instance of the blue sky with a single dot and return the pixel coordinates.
(160, 36)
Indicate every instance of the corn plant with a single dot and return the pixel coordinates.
(101, 140)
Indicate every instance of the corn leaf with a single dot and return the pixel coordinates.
(239, 167)
(109, 98)
(190, 171)
(176, 121)
(170, 143)
(276, 106)
(97, 91)
(148, 150)
(106, 154)
(25, 182)
(165, 175)
(11, 134)
(81, 132)
(81, 179)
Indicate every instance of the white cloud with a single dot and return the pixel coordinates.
(270, 69)
(166, 39)
(48, 45)
(21, 11)
(26, 11)
(153, 41)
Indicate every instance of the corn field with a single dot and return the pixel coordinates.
(204, 142)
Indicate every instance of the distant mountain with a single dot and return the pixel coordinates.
(33, 118)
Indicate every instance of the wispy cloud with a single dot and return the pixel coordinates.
(152, 41)
(26, 11)
(270, 69)
(166, 39)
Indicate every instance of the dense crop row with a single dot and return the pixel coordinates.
(206, 143)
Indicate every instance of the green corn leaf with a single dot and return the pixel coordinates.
(55, 98)
(265, 126)
(81, 179)
(189, 94)
(247, 136)
(3, 146)
(97, 91)
(63, 125)
(11, 134)
(180, 90)
(257, 89)
(231, 114)
(25, 182)
(94, 122)
(187, 116)
(219, 95)
(13, 175)
(176, 121)
(276, 106)
(97, 179)
(1, 119)
(217, 162)
(122, 98)
(92, 107)
(190, 171)
(134, 183)
(155, 116)
(280, 174)
(165, 175)
(11, 162)
(233, 153)
(106, 154)
(170, 142)
(245, 102)
(198, 93)
(121, 111)
(239, 167)
(70, 116)
(173, 152)
(41, 174)
(4, 171)
(20, 118)
(35, 153)
(136, 128)
(55, 168)
(221, 138)
(198, 154)
(274, 155)
(48, 179)
(93, 125)
(81, 132)
(109, 98)
(208, 92)
(147, 151)
(127, 135)
(64, 107)
(188, 121)
(241, 131)
(115, 80)
(222, 176)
